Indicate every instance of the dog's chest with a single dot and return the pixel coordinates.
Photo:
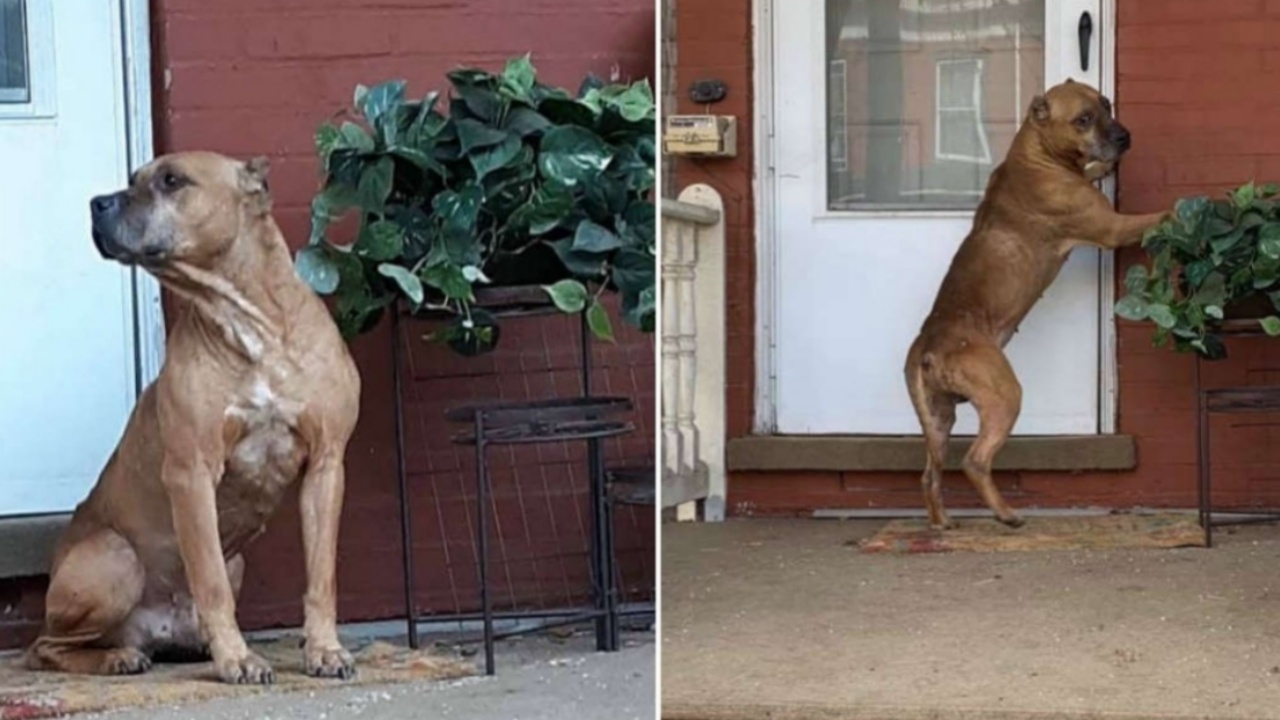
(267, 452)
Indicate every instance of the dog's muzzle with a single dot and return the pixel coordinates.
(107, 213)
(1119, 136)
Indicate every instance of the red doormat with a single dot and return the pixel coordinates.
(26, 695)
(1098, 532)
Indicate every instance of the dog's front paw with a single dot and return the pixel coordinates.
(330, 662)
(125, 661)
(247, 669)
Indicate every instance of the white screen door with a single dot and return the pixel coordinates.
(67, 368)
(890, 116)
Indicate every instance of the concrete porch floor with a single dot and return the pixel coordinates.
(783, 619)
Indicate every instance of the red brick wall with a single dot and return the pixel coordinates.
(1195, 84)
(246, 77)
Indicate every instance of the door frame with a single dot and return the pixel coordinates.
(148, 314)
(765, 412)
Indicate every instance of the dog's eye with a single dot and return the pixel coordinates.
(1084, 121)
(169, 181)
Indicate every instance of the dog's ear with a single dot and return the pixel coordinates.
(253, 182)
(1039, 109)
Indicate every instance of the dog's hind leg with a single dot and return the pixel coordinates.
(937, 434)
(93, 589)
(982, 374)
(937, 414)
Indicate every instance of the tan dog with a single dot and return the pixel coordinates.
(1039, 205)
(257, 391)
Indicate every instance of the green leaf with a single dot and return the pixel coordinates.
(327, 139)
(375, 184)
(316, 269)
(420, 159)
(476, 89)
(354, 137)
(518, 79)
(375, 102)
(598, 321)
(1135, 280)
(1213, 291)
(550, 205)
(1213, 311)
(1162, 315)
(1190, 211)
(636, 103)
(594, 238)
(1223, 243)
(570, 155)
(1132, 307)
(1269, 240)
(565, 111)
(1270, 325)
(450, 280)
(474, 274)
(634, 269)
(381, 240)
(525, 121)
(1244, 196)
(457, 210)
(493, 158)
(409, 283)
(475, 134)
(639, 309)
(332, 202)
(579, 264)
(1212, 347)
(569, 296)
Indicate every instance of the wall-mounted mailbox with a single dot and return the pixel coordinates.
(701, 135)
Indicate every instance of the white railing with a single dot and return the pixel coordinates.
(693, 353)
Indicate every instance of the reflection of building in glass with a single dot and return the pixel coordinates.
(13, 53)
(924, 96)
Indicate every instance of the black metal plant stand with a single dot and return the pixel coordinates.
(587, 418)
(1229, 400)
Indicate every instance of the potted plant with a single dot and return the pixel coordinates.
(504, 182)
(1211, 261)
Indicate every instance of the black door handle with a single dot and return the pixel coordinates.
(1085, 31)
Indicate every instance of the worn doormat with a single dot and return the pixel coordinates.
(1048, 533)
(26, 695)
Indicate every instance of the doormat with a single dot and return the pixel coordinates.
(1099, 532)
(27, 695)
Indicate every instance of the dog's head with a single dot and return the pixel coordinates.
(1077, 126)
(187, 206)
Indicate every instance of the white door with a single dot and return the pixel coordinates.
(67, 350)
(890, 116)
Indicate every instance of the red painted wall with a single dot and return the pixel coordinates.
(246, 77)
(1196, 83)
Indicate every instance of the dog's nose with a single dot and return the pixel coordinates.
(105, 204)
(1123, 139)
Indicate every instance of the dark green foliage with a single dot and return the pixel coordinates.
(506, 181)
(1208, 257)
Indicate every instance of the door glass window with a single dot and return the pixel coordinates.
(924, 97)
(15, 86)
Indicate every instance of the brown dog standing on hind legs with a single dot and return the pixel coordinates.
(257, 391)
(1039, 205)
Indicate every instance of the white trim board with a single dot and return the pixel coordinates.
(149, 333)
